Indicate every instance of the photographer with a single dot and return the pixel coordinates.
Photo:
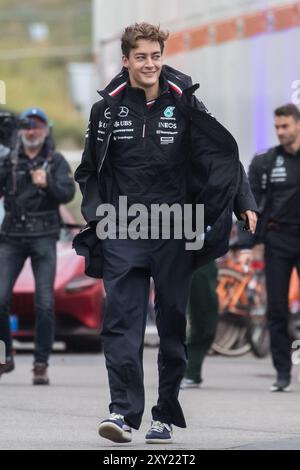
(34, 180)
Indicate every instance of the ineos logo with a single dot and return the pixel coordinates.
(107, 113)
(123, 112)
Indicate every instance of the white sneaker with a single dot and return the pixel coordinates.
(189, 383)
(281, 385)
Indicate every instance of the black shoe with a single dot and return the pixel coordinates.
(282, 384)
(40, 376)
(7, 367)
(159, 433)
(115, 429)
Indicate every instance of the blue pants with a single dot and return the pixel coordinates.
(13, 254)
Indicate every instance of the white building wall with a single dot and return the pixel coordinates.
(110, 17)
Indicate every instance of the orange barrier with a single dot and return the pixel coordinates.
(265, 21)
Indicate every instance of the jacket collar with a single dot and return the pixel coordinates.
(178, 83)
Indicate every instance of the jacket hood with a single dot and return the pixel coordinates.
(178, 82)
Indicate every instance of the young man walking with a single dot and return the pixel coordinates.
(149, 139)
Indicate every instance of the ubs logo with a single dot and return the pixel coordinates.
(123, 112)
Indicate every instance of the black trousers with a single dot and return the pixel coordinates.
(13, 254)
(282, 253)
(128, 265)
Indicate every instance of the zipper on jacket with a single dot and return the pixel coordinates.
(144, 128)
(105, 153)
(144, 132)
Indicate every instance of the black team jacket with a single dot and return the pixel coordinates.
(215, 176)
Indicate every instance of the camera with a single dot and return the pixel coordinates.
(9, 126)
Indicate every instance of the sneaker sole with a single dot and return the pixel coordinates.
(40, 382)
(193, 386)
(286, 389)
(112, 432)
(158, 441)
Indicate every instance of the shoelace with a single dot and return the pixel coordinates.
(115, 416)
(158, 426)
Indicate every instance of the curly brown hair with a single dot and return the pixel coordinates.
(143, 30)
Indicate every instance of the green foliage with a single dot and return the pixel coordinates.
(41, 80)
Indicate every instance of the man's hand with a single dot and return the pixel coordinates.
(250, 218)
(39, 178)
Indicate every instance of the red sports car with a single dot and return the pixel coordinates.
(79, 300)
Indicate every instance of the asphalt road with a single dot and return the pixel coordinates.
(232, 410)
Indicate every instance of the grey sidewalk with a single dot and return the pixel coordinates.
(233, 409)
